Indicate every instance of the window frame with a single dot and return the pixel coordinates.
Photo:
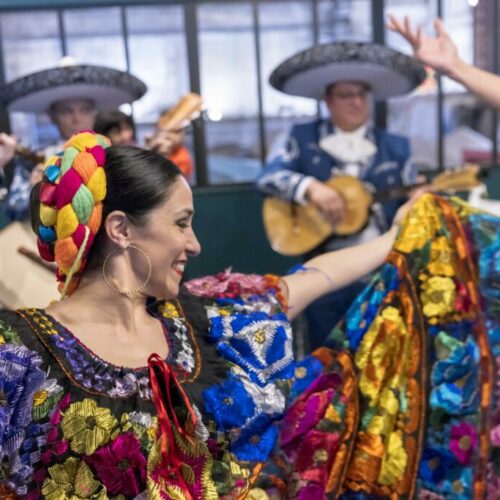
(192, 43)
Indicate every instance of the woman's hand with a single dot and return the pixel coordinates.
(439, 52)
(404, 209)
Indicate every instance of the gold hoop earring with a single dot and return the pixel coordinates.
(134, 291)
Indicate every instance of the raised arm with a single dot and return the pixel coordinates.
(440, 52)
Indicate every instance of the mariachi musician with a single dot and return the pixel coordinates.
(347, 76)
(70, 94)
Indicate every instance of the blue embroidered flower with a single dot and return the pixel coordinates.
(229, 404)
(364, 309)
(459, 488)
(455, 379)
(436, 464)
(256, 341)
(216, 328)
(305, 372)
(257, 441)
(20, 378)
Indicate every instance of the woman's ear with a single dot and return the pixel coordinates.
(117, 226)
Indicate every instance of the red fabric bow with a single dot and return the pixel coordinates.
(162, 381)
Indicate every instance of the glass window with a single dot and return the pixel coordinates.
(94, 36)
(344, 20)
(415, 115)
(31, 42)
(282, 36)
(468, 121)
(228, 76)
(158, 56)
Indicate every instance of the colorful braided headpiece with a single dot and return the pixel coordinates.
(71, 195)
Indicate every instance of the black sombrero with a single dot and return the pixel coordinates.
(107, 87)
(387, 71)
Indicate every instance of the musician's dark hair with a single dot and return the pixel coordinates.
(106, 121)
(138, 181)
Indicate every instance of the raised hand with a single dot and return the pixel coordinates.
(439, 52)
(165, 142)
(7, 149)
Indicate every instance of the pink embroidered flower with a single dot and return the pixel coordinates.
(227, 284)
(120, 465)
(56, 415)
(495, 435)
(463, 441)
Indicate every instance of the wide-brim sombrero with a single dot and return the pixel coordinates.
(107, 87)
(388, 72)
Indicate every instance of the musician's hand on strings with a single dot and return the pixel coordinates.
(329, 202)
(8, 145)
(165, 142)
(439, 52)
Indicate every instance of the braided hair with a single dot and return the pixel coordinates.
(80, 187)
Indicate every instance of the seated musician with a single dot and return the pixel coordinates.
(348, 77)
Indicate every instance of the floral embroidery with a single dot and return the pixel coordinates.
(394, 411)
(438, 296)
(87, 426)
(227, 284)
(229, 404)
(72, 480)
(463, 441)
(441, 259)
(395, 461)
(120, 465)
(256, 442)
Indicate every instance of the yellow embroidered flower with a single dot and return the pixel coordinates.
(438, 296)
(169, 310)
(441, 261)
(87, 426)
(384, 341)
(420, 225)
(383, 422)
(72, 480)
(395, 460)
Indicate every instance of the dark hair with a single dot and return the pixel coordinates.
(138, 181)
(106, 121)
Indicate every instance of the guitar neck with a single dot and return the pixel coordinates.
(395, 193)
(461, 179)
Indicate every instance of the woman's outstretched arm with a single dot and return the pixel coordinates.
(334, 270)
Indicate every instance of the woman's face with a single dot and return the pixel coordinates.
(169, 240)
